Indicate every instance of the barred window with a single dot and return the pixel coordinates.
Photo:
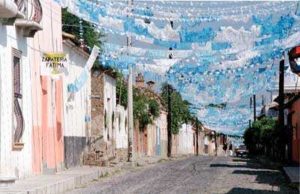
(18, 128)
(17, 76)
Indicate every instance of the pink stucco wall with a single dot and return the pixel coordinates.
(47, 94)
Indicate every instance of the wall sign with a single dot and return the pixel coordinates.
(53, 64)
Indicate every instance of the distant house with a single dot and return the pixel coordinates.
(209, 141)
(153, 139)
(201, 137)
(157, 137)
(184, 142)
(77, 109)
(221, 140)
(109, 125)
(103, 103)
(269, 110)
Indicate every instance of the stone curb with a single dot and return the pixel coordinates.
(69, 180)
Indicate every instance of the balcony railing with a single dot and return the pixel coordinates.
(32, 9)
(33, 16)
(37, 11)
(25, 14)
(21, 5)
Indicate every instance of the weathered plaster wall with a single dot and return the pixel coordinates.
(153, 133)
(140, 146)
(47, 95)
(97, 104)
(76, 107)
(109, 106)
(157, 136)
(185, 139)
(162, 123)
(14, 163)
(201, 142)
(120, 126)
(175, 144)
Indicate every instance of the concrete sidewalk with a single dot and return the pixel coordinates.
(73, 178)
(59, 182)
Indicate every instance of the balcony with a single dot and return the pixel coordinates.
(11, 10)
(30, 24)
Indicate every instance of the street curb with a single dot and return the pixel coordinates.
(70, 180)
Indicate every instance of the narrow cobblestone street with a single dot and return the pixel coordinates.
(201, 174)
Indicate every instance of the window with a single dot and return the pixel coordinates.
(18, 124)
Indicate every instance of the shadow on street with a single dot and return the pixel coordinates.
(263, 175)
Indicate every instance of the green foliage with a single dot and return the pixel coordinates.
(251, 137)
(145, 110)
(153, 108)
(71, 25)
(263, 137)
(90, 35)
(121, 89)
(179, 108)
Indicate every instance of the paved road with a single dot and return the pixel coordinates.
(201, 174)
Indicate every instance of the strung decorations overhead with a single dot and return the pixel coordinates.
(212, 52)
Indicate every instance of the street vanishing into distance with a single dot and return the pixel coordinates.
(149, 97)
(203, 174)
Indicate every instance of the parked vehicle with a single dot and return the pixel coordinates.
(241, 151)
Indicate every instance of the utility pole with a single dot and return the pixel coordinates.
(281, 106)
(249, 123)
(216, 145)
(130, 99)
(254, 107)
(281, 94)
(169, 117)
(197, 136)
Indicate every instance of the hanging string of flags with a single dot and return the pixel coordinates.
(165, 13)
(83, 77)
(211, 52)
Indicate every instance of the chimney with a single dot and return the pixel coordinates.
(150, 84)
(139, 81)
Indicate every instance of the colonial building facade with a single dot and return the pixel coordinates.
(31, 104)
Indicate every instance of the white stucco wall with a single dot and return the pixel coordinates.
(109, 105)
(120, 127)
(162, 123)
(14, 163)
(77, 105)
(185, 139)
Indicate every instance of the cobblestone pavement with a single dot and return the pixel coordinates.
(201, 174)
